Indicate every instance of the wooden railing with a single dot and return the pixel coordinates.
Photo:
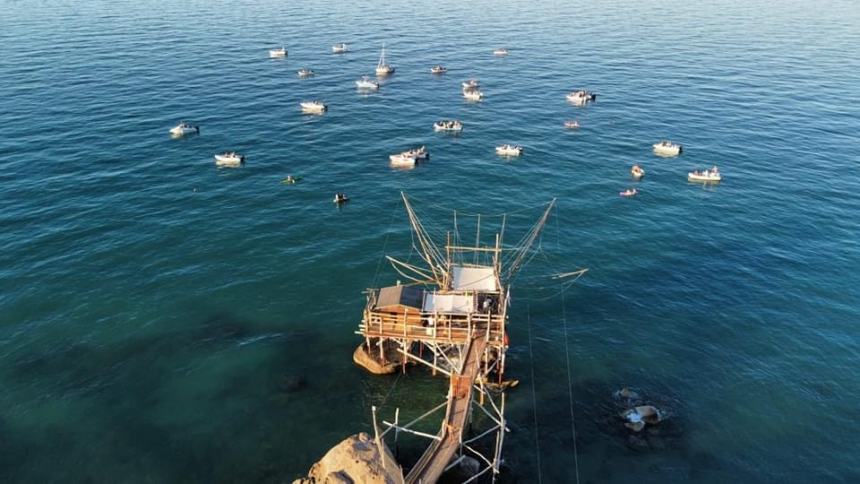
(454, 327)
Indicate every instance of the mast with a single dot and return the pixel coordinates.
(382, 57)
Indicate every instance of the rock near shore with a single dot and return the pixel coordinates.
(355, 460)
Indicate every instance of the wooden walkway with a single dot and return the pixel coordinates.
(436, 458)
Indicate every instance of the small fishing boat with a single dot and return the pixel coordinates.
(291, 180)
(305, 72)
(448, 125)
(402, 159)
(712, 175)
(339, 48)
(571, 124)
(340, 198)
(637, 172)
(367, 83)
(471, 84)
(382, 68)
(509, 150)
(440, 69)
(229, 158)
(314, 107)
(184, 128)
(473, 94)
(500, 52)
(278, 53)
(667, 148)
(581, 96)
(630, 192)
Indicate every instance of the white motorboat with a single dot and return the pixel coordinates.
(278, 53)
(471, 84)
(630, 192)
(509, 150)
(571, 124)
(448, 125)
(667, 148)
(501, 52)
(581, 96)
(229, 158)
(382, 68)
(367, 83)
(712, 175)
(402, 159)
(340, 198)
(339, 48)
(440, 69)
(473, 94)
(315, 107)
(637, 172)
(305, 72)
(184, 128)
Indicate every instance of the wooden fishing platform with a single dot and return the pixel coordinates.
(452, 318)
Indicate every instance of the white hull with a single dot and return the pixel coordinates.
(402, 160)
(177, 131)
(364, 84)
(671, 150)
(580, 97)
(509, 150)
(339, 48)
(314, 108)
(306, 73)
(277, 53)
(704, 178)
(438, 127)
(473, 95)
(228, 160)
(500, 52)
(384, 70)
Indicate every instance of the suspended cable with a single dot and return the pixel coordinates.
(534, 393)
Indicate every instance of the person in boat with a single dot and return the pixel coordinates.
(290, 179)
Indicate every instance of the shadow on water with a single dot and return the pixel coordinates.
(122, 414)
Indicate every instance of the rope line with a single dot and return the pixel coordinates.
(534, 394)
(567, 352)
(384, 246)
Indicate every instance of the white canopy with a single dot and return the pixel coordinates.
(448, 303)
(474, 279)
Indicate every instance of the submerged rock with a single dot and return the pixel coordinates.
(626, 394)
(355, 460)
(637, 417)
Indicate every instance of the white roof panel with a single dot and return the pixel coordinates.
(474, 279)
(448, 303)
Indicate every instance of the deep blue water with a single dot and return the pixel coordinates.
(165, 320)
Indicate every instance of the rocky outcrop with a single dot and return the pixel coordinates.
(370, 360)
(356, 460)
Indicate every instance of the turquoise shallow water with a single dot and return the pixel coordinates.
(164, 320)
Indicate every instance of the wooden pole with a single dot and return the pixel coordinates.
(376, 433)
(478, 238)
